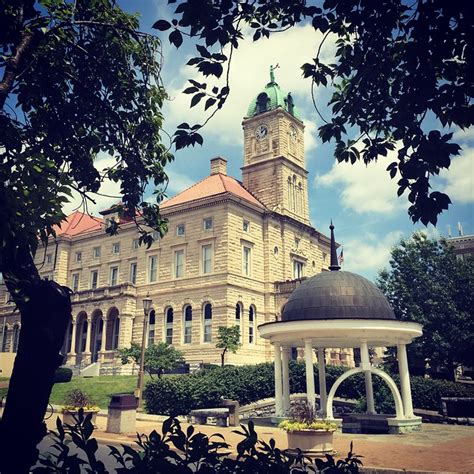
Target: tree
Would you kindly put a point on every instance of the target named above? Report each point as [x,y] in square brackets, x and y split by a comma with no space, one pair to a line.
[78,79]
[427,284]
[228,339]
[397,65]
[158,357]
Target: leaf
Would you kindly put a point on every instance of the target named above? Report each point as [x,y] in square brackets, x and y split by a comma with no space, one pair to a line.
[161,25]
[209,102]
[196,98]
[176,38]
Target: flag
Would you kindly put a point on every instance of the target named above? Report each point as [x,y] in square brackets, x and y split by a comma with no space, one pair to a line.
[341,256]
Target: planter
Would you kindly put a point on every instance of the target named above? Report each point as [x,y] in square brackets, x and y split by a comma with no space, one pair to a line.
[312,442]
[68,416]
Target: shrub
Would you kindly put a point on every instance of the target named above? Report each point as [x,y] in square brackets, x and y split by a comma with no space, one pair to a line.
[62,375]
[77,399]
[178,395]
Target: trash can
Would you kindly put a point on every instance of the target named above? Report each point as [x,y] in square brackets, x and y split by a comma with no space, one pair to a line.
[122,413]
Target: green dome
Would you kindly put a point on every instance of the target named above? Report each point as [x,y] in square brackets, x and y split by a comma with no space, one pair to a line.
[271,98]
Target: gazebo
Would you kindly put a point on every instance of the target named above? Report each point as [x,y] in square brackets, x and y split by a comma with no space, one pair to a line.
[341,309]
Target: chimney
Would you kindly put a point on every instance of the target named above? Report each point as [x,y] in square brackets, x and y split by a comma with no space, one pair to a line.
[218,165]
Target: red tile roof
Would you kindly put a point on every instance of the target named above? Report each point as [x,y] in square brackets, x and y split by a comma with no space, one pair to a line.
[214,185]
[77,223]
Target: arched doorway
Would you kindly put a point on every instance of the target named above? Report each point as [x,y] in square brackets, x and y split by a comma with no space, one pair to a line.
[81,335]
[113,330]
[96,334]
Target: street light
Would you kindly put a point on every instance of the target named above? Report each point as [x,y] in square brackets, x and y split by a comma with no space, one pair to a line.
[146,310]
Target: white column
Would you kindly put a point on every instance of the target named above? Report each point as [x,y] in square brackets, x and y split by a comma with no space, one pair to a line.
[308,355]
[369,391]
[88,336]
[73,338]
[103,342]
[286,380]
[405,380]
[322,381]
[278,382]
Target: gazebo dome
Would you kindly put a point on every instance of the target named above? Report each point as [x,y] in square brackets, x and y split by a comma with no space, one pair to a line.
[337,295]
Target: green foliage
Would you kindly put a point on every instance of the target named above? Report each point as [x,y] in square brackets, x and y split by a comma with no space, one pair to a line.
[76,399]
[228,339]
[159,357]
[178,395]
[427,284]
[62,375]
[394,62]
[181,452]
[293,425]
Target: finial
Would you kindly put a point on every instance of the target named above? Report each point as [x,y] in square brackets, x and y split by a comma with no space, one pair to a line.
[272,74]
[334,264]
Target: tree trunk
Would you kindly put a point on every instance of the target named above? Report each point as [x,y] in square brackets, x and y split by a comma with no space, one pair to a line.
[223,357]
[45,310]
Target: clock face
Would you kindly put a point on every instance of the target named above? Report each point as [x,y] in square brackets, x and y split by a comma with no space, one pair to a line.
[293,133]
[261,132]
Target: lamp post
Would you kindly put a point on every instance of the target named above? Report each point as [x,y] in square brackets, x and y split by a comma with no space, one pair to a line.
[139,391]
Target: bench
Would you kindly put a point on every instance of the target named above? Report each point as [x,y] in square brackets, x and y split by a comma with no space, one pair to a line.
[220,414]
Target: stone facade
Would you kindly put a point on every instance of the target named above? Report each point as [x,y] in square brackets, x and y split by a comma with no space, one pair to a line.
[239,251]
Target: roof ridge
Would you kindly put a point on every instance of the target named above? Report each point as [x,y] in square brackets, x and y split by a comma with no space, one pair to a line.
[188,188]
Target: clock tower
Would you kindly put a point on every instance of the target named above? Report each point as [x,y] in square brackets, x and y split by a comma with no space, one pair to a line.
[274,152]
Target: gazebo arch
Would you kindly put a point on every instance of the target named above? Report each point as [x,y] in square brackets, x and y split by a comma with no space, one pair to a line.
[383,375]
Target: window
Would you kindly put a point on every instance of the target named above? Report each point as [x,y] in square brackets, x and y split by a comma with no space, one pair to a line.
[297,242]
[151,328]
[152,268]
[156,235]
[78,257]
[179,263]
[116,333]
[16,338]
[206,259]
[325,256]
[207,223]
[113,276]
[94,279]
[207,322]
[238,318]
[133,273]
[96,252]
[246,260]
[251,325]
[246,226]
[4,338]
[75,282]
[49,259]
[180,229]
[116,248]
[169,326]
[297,269]
[135,244]
[188,324]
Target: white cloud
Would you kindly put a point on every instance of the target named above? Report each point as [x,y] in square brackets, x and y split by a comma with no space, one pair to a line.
[365,188]
[369,253]
[249,74]
[463,136]
[459,178]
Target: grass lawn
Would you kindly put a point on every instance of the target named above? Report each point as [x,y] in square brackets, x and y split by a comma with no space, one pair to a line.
[100,389]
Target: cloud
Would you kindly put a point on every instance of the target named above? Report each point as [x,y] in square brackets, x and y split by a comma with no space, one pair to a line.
[365,188]
[369,253]
[459,178]
[249,74]
[463,136]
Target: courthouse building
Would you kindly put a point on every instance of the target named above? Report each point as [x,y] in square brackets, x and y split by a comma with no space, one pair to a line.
[234,252]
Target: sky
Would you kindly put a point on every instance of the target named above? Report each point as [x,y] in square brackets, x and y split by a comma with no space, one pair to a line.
[361,200]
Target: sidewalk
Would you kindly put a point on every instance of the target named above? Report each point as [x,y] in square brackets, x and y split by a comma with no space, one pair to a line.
[438,448]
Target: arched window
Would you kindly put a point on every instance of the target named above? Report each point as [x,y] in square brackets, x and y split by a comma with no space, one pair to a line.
[238,318]
[69,338]
[4,338]
[169,326]
[116,333]
[262,103]
[251,324]
[207,313]
[290,194]
[188,324]
[293,195]
[300,196]
[16,337]
[151,328]
[83,339]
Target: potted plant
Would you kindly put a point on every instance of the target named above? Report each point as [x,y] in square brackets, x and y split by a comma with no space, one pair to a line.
[75,400]
[307,432]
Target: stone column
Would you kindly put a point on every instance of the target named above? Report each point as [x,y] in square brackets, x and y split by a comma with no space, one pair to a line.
[73,337]
[103,342]
[308,355]
[369,391]
[87,352]
[286,380]
[405,380]
[125,330]
[278,382]
[322,382]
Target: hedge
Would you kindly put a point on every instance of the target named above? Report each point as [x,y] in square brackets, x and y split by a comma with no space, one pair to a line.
[179,394]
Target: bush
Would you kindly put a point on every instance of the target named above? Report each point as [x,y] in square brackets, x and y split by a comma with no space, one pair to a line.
[180,394]
[62,375]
